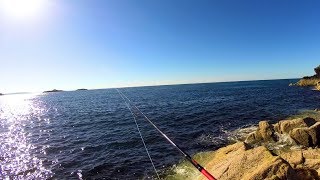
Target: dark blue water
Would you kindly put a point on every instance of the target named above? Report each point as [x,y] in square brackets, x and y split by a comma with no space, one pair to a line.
[91,134]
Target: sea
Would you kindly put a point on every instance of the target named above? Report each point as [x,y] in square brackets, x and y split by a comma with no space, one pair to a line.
[92,134]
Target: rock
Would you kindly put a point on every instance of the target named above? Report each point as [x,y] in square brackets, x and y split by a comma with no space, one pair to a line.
[307,174]
[311,159]
[264,132]
[253,138]
[294,157]
[305,132]
[301,136]
[309,137]
[54,90]
[285,126]
[311,80]
[311,153]
[314,132]
[238,161]
[1,94]
[318,86]
[82,89]
[317,71]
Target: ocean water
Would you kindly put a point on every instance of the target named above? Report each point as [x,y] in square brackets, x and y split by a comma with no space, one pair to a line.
[92,135]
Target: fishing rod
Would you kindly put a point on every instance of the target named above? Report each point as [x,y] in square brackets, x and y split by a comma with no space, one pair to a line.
[187,156]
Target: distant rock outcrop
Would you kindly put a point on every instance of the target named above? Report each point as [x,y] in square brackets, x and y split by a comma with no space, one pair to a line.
[82,89]
[1,94]
[54,90]
[310,80]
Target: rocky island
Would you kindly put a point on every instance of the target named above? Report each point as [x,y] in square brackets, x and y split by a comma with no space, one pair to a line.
[82,89]
[311,81]
[54,90]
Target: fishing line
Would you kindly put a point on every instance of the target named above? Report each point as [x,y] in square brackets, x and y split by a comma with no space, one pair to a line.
[187,156]
[142,139]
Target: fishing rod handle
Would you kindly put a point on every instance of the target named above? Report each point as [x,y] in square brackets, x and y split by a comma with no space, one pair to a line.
[200,168]
[207,174]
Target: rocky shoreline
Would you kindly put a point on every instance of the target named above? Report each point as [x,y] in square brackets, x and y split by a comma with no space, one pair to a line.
[254,159]
[288,149]
[310,81]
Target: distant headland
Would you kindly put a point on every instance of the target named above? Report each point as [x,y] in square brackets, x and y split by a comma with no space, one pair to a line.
[312,81]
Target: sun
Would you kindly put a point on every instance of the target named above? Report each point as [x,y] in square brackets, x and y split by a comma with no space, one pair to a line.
[22,9]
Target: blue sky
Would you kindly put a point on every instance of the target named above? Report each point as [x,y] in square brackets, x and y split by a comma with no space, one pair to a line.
[110,43]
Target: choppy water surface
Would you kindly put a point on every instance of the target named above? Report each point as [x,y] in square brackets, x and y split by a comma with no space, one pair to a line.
[92,135]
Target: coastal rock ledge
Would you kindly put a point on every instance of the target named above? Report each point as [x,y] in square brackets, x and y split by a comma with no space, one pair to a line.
[240,161]
[284,150]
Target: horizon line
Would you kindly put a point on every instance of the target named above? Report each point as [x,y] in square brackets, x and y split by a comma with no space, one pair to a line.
[155,85]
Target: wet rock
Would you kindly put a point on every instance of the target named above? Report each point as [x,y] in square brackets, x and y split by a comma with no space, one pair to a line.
[253,138]
[264,132]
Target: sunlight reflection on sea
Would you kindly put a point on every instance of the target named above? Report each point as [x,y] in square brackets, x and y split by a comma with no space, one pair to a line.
[17,161]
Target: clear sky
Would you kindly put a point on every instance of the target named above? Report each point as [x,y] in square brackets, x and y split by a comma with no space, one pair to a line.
[70,44]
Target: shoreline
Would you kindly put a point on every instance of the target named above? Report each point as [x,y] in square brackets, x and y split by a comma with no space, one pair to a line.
[270,145]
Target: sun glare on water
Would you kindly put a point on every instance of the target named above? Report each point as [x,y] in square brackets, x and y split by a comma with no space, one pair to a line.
[23,9]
